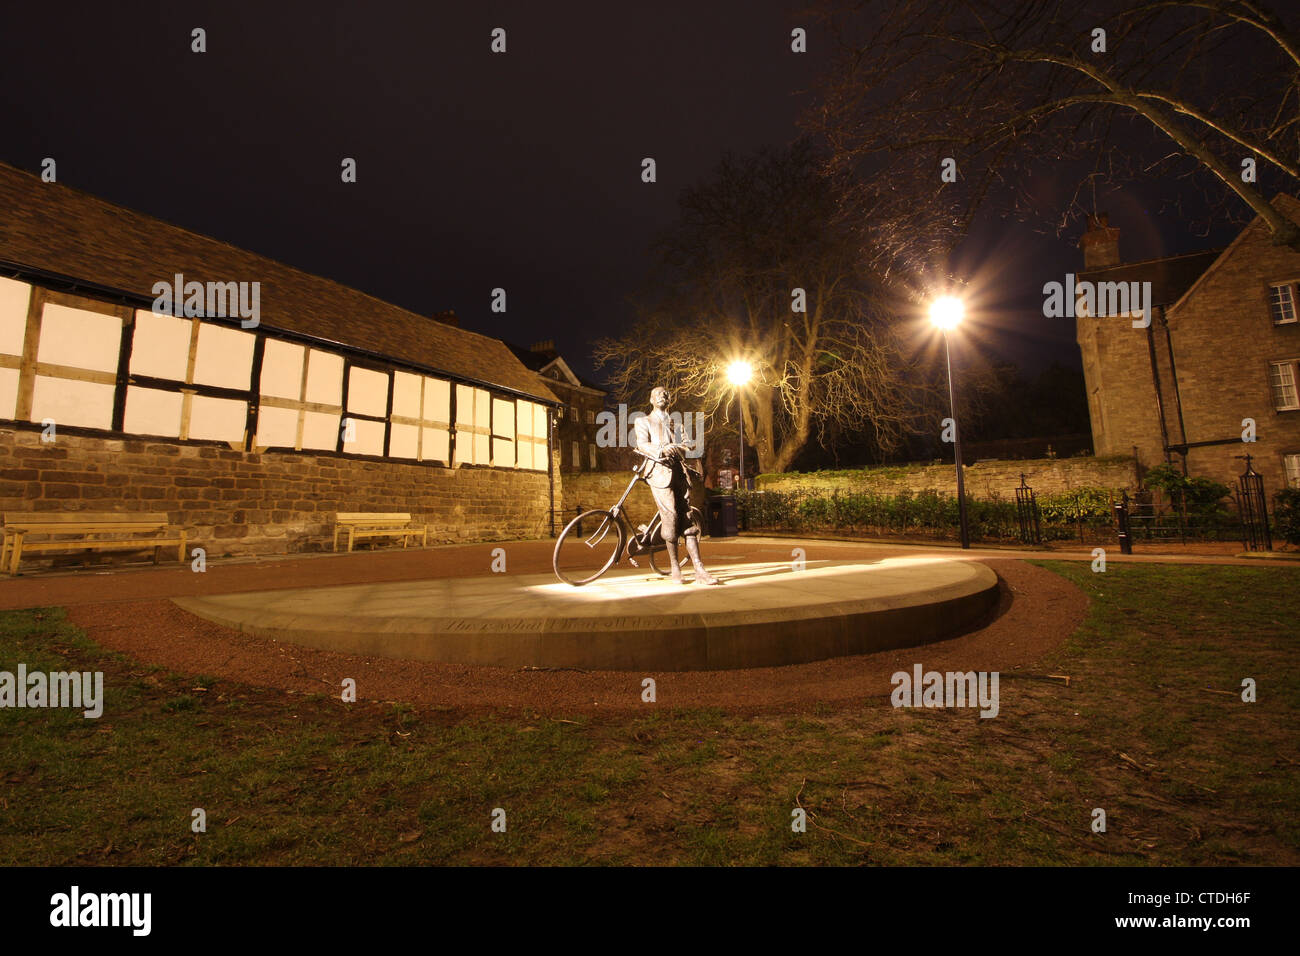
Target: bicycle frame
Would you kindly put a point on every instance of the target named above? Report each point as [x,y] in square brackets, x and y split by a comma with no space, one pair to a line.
[618,505]
[630,534]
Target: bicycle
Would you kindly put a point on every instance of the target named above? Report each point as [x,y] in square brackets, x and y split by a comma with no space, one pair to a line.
[595,540]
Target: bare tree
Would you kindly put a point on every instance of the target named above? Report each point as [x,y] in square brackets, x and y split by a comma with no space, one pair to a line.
[1208,89]
[769,264]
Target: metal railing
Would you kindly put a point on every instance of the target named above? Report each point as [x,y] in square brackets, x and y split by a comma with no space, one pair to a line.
[1086,516]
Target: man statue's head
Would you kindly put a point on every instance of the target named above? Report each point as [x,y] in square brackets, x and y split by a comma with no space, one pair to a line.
[659,398]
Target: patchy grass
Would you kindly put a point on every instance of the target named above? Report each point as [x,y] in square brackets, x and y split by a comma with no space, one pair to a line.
[1151,728]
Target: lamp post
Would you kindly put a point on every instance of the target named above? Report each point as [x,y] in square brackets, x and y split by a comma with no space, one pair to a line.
[945,314]
[739,373]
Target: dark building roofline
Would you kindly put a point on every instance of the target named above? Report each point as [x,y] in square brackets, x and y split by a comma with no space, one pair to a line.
[1142,262]
[13,270]
[1170,276]
[61,231]
[538,360]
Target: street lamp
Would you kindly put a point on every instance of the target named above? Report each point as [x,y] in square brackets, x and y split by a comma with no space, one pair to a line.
[739,373]
[945,314]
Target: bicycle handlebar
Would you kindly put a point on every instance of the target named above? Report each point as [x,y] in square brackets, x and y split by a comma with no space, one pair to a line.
[662,461]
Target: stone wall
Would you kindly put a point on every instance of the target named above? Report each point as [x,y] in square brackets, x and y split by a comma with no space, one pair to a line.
[1122,404]
[240,503]
[984,480]
[602,489]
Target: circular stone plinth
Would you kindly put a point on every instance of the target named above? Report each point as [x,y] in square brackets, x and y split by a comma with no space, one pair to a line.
[764,615]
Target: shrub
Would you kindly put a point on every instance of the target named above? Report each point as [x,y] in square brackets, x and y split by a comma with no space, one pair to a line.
[1286,515]
[927,512]
[1202,497]
[1077,505]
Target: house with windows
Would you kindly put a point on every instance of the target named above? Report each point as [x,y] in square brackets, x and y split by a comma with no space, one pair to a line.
[129,383]
[583,400]
[1214,376]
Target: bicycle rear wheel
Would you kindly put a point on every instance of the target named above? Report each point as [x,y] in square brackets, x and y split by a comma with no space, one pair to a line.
[659,559]
[587,547]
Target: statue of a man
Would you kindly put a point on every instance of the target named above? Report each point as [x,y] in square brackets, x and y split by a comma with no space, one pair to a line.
[672,484]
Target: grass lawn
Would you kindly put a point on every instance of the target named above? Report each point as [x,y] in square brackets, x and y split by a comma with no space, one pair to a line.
[1151,728]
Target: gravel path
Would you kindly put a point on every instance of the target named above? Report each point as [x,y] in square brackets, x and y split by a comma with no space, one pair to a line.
[130,612]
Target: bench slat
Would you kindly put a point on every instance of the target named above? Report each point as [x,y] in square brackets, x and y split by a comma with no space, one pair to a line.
[93,545]
[112,518]
[68,528]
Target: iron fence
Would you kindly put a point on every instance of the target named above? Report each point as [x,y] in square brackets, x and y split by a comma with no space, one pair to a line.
[1085,516]
[1169,521]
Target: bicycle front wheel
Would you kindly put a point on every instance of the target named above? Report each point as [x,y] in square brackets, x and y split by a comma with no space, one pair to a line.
[587,548]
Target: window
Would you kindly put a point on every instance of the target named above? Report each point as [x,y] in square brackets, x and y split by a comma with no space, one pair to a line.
[1281,377]
[503,433]
[577,458]
[15,297]
[421,420]
[1281,303]
[83,363]
[532,429]
[592,450]
[169,353]
[301,403]
[473,421]
[591,417]
[1291,464]
[367,411]
[75,380]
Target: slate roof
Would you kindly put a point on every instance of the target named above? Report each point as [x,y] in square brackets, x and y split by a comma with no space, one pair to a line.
[538,360]
[1169,277]
[54,228]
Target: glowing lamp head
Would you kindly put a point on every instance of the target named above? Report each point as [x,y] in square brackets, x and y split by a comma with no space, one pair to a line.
[946,312]
[739,372]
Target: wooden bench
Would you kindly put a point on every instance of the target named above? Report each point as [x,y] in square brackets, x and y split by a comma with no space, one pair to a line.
[378,524]
[87,531]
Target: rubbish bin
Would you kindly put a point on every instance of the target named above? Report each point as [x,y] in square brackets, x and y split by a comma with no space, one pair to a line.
[1121,524]
[721,519]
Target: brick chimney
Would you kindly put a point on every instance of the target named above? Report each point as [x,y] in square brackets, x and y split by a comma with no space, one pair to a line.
[543,347]
[447,317]
[1100,244]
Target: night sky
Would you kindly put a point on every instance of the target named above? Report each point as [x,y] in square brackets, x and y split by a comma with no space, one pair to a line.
[475,170]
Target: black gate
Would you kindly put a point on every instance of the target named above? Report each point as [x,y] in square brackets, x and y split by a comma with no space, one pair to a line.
[1253,508]
[1031,531]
